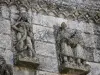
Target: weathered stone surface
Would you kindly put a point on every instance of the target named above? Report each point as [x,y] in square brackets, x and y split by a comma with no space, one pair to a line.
[98,42]
[14,13]
[89,40]
[5,41]
[23,71]
[46,49]
[97,29]
[5,11]
[58,11]
[95,68]
[48,64]
[47,21]
[27,62]
[46,73]
[43,33]
[89,53]
[4,26]
[97,55]
[50,21]
[8,55]
[84,27]
[5,69]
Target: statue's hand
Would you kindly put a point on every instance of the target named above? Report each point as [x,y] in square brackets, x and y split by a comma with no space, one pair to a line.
[72,43]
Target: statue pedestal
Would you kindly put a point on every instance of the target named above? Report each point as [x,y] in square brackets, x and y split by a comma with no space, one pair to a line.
[28,62]
[74,68]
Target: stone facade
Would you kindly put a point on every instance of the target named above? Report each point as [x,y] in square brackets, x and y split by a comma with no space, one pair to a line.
[45,17]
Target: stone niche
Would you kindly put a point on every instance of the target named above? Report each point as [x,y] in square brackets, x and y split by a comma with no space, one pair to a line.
[71,52]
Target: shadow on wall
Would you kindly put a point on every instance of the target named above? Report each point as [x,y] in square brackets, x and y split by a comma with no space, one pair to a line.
[5,69]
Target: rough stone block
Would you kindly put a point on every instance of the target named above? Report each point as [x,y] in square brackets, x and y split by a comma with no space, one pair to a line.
[4,26]
[46,49]
[97,55]
[14,13]
[46,73]
[48,21]
[89,40]
[84,27]
[48,64]
[8,55]
[89,53]
[27,62]
[5,41]
[23,71]
[43,33]
[5,11]
[98,42]
[95,68]
[97,29]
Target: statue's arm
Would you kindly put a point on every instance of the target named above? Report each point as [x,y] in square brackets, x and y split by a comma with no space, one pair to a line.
[15,27]
[24,36]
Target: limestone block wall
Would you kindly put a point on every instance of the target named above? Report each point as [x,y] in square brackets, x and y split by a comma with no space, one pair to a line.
[44,26]
[5,34]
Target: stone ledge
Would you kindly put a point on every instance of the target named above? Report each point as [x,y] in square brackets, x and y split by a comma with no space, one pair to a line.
[74,67]
[28,62]
[66,68]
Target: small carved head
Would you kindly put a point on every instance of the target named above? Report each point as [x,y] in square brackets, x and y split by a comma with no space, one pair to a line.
[63,25]
[24,17]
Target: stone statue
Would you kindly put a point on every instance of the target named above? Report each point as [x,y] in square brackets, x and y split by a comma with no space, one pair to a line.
[71,44]
[5,69]
[24,37]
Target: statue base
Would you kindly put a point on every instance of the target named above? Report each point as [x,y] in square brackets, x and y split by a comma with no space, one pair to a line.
[28,62]
[73,67]
[78,70]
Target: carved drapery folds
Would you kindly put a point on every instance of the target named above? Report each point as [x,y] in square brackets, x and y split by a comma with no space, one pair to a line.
[24,45]
[71,53]
[5,69]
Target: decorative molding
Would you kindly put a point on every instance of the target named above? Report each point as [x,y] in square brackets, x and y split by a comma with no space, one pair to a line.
[59,9]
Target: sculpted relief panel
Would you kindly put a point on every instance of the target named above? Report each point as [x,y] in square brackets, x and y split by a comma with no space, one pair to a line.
[71,51]
[24,45]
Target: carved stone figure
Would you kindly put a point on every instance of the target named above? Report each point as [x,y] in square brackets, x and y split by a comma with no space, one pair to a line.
[71,43]
[72,54]
[5,69]
[24,37]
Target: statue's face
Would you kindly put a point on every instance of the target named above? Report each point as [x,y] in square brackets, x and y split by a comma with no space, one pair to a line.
[63,25]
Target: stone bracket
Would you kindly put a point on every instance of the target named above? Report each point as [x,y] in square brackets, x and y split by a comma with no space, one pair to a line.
[28,62]
[74,67]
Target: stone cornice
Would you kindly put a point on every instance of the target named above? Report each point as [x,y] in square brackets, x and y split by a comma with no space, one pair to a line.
[74,11]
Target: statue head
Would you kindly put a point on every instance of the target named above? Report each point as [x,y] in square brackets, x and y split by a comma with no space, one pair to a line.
[63,25]
[24,17]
